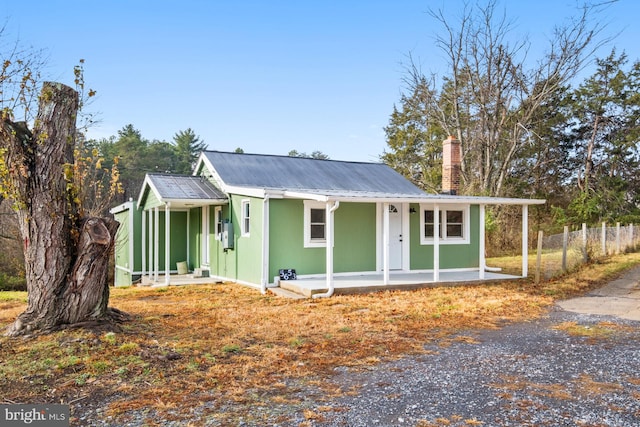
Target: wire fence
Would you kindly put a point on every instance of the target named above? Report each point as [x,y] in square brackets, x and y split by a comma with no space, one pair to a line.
[560,253]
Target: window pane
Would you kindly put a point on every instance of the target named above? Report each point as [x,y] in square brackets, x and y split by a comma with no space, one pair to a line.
[317,232]
[454,230]
[428,217]
[317,215]
[428,230]
[454,217]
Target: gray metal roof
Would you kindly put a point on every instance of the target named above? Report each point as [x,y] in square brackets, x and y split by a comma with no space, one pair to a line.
[184,187]
[315,176]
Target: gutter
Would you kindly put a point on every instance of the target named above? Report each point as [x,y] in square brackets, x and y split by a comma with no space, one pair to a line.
[329,249]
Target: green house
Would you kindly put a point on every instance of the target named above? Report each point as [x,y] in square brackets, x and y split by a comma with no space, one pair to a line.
[260,220]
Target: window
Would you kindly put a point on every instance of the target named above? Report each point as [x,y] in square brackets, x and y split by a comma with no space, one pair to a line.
[246,217]
[318,224]
[315,224]
[218,216]
[453,224]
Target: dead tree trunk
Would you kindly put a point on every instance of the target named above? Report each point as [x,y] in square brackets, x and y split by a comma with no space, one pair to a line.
[66,257]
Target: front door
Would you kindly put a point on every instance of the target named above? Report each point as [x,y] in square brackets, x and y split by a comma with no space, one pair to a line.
[395,237]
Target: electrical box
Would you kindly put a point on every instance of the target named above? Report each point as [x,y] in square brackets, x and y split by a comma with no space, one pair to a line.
[227,235]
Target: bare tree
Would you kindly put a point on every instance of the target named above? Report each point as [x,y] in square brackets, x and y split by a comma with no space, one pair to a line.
[66,254]
[492,91]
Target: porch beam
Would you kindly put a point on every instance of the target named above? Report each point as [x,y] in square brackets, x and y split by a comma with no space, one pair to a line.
[525,240]
[436,243]
[167,243]
[481,257]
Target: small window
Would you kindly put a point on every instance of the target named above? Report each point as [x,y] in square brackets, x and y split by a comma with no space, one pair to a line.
[315,224]
[246,217]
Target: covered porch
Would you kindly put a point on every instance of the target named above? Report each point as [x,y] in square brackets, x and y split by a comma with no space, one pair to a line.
[375,282]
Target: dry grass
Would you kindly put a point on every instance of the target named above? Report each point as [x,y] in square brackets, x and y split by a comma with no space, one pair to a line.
[225,343]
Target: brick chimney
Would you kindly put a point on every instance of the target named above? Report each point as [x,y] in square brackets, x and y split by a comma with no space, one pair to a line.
[451,158]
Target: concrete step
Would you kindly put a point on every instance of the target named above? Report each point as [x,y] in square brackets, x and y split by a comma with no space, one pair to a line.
[286,293]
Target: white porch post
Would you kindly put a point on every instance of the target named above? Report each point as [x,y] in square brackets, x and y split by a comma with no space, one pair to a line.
[156,243]
[436,243]
[483,261]
[144,243]
[188,241]
[167,243]
[525,240]
[385,243]
[150,240]
[329,248]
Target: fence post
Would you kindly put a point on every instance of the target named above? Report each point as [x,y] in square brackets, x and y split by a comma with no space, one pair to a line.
[585,254]
[604,239]
[565,243]
[632,241]
[617,238]
[539,255]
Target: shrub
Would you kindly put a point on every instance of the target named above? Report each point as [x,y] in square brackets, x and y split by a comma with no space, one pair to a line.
[12,283]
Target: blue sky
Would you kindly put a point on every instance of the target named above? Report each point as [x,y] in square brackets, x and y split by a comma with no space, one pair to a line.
[266,76]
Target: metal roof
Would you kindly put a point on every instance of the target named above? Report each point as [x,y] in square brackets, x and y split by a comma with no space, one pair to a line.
[183,187]
[313,176]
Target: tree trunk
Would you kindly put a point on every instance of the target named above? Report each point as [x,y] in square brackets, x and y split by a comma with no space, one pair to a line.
[66,257]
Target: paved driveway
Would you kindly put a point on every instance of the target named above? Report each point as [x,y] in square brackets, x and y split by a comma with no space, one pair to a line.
[620,298]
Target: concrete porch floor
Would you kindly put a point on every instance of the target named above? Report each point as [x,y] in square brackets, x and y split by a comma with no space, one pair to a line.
[179,280]
[397,281]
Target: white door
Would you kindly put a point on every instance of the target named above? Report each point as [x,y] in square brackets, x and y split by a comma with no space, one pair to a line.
[395,237]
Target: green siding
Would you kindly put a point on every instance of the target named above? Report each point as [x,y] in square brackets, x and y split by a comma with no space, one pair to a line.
[195,236]
[247,254]
[355,237]
[244,261]
[121,249]
[151,201]
[354,245]
[286,240]
[451,256]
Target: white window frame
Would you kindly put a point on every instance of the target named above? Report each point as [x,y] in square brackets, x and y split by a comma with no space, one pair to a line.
[308,242]
[447,240]
[218,219]
[246,219]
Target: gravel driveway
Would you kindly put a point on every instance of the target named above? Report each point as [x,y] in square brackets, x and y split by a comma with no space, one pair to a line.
[569,368]
[526,374]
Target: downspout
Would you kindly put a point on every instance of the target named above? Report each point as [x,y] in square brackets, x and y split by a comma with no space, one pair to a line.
[265,244]
[329,250]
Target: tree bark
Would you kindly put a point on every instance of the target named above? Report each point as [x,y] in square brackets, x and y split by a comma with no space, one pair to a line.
[66,257]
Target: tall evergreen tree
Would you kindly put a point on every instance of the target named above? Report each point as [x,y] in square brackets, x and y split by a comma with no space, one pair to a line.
[187,147]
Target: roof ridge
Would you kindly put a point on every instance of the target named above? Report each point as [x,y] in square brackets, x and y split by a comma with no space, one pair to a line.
[293,157]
